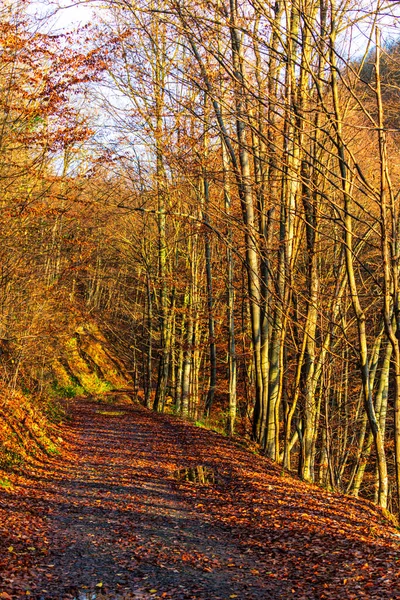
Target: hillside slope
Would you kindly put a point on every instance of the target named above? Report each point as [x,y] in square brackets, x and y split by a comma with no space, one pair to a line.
[81,362]
[110,515]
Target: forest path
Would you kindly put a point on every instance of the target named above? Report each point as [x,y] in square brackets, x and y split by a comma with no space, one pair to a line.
[110,518]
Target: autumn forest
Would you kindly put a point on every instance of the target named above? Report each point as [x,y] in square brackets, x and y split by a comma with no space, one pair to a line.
[200,213]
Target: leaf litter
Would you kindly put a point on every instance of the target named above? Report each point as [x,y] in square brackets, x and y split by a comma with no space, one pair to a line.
[110,519]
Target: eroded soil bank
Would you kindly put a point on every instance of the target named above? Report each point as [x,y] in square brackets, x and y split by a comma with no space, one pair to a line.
[109,519]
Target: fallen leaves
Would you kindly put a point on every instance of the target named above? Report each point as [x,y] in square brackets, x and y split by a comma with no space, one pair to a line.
[110,517]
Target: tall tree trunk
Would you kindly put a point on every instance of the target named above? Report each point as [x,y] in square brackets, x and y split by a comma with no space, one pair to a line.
[209,277]
[358,311]
[390,257]
[149,362]
[246,197]
[230,291]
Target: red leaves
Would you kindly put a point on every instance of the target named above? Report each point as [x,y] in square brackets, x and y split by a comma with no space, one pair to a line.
[40,74]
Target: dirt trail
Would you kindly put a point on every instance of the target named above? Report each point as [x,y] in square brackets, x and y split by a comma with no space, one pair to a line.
[110,518]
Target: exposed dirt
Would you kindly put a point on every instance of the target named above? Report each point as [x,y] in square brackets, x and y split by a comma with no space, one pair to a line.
[109,517]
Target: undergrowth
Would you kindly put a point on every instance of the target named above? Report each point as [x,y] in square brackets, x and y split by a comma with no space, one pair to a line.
[217,425]
[71,390]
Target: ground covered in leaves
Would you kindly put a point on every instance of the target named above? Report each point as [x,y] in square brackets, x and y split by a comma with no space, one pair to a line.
[109,520]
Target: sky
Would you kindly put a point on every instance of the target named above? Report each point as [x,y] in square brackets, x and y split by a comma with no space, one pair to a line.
[70,15]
